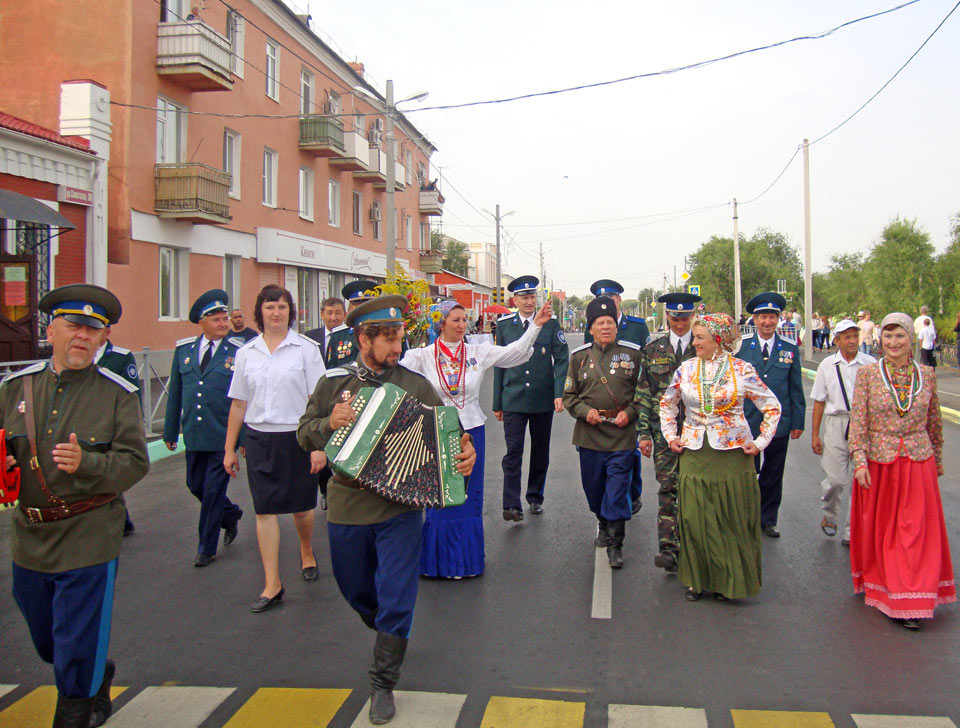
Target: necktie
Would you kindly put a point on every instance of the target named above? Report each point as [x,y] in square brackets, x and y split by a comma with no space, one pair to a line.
[679,350]
[526,324]
[207,355]
[766,352]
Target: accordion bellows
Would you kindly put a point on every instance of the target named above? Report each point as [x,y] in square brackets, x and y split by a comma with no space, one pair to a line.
[401,449]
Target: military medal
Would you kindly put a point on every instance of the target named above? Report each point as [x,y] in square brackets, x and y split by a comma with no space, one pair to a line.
[187,360]
[543,350]
[345,395]
[451,367]
[22,407]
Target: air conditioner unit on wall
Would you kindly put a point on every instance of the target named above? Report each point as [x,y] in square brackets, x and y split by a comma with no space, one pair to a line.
[379,124]
[374,214]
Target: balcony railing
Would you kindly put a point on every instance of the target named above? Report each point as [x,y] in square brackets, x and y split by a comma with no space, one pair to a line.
[322,135]
[431,202]
[431,261]
[376,169]
[193,192]
[356,153]
[194,55]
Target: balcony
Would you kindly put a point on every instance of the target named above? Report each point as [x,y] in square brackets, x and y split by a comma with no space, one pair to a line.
[321,135]
[376,169]
[431,202]
[356,153]
[194,55]
[431,261]
[192,192]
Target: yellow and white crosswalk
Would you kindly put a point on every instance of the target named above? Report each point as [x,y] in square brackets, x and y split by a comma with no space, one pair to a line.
[176,706]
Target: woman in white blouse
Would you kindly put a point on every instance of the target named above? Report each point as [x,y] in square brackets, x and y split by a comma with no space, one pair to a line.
[453,537]
[274,377]
[718,493]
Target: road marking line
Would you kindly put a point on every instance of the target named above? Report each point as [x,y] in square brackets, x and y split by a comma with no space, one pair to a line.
[654,716]
[36,708]
[162,707]
[420,710]
[532,713]
[4,689]
[289,707]
[602,607]
[780,719]
[901,721]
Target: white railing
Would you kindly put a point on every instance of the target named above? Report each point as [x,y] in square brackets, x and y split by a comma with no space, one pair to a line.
[193,43]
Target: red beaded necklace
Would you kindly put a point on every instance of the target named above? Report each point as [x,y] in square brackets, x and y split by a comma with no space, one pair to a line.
[450,371]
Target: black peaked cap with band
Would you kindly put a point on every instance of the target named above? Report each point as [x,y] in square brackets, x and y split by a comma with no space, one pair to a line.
[213,301]
[766,302]
[357,290]
[83,303]
[679,305]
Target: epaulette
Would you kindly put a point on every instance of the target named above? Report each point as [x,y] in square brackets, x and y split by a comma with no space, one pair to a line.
[630,344]
[119,350]
[582,347]
[308,339]
[118,379]
[188,340]
[636,319]
[237,341]
[341,327]
[507,316]
[335,372]
[32,369]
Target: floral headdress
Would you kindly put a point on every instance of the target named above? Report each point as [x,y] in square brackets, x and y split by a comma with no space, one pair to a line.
[722,328]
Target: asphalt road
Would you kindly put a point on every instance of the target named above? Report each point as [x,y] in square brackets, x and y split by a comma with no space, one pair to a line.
[524,629]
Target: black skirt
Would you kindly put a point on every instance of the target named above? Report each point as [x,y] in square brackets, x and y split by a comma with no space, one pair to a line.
[278,470]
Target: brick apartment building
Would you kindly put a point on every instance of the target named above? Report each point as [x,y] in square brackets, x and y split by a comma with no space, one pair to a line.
[241,152]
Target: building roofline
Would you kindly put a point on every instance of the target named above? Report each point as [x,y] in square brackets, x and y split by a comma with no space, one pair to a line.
[15,124]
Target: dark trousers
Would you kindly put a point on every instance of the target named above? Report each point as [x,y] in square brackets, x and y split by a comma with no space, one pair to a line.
[208,480]
[770,473]
[68,614]
[606,479]
[377,568]
[636,480]
[514,426]
[325,474]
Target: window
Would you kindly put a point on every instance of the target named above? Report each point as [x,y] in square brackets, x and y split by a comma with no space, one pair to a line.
[235,34]
[271,71]
[333,103]
[171,131]
[231,160]
[333,203]
[375,218]
[231,279]
[408,166]
[358,123]
[270,177]
[306,91]
[421,175]
[409,231]
[357,212]
[424,236]
[306,194]
[308,313]
[170,282]
[172,11]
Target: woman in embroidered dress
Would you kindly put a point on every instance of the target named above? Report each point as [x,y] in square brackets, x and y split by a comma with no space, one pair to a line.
[718,493]
[453,537]
[899,555]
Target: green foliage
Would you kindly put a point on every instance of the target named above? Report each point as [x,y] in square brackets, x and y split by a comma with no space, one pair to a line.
[456,258]
[899,272]
[840,291]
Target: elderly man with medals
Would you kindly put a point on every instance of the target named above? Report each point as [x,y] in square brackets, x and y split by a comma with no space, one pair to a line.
[340,346]
[374,542]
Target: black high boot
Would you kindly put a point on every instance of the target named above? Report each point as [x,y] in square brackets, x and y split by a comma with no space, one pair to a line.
[72,712]
[388,652]
[615,533]
[601,540]
[102,706]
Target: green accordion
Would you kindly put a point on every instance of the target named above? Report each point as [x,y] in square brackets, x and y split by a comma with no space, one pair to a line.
[401,449]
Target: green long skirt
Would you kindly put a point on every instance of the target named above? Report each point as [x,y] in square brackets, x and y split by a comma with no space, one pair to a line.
[719,522]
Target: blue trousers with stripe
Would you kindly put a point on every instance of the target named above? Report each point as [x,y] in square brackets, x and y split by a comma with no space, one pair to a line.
[68,614]
[606,478]
[208,481]
[377,568]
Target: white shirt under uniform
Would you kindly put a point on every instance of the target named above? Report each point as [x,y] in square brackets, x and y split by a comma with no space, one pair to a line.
[480,358]
[835,460]
[276,386]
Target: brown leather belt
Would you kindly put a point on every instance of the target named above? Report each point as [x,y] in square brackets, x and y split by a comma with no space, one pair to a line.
[66,509]
[610,413]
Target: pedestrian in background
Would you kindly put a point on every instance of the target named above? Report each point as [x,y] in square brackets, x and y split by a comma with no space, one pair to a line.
[832,395]
[928,343]
[815,331]
[719,496]
[920,321]
[273,378]
[899,553]
[956,333]
[238,326]
[825,342]
[867,332]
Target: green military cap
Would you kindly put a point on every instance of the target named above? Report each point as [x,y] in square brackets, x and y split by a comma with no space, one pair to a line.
[83,303]
[384,310]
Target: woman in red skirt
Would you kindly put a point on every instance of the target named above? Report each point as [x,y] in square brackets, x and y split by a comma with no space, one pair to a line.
[899,555]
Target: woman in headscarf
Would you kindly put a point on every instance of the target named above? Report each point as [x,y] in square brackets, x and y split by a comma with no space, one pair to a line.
[899,555]
[718,493]
[453,537]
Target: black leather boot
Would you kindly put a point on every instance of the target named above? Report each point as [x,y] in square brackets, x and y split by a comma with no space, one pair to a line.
[601,540]
[370,619]
[388,652]
[615,533]
[102,706]
[72,712]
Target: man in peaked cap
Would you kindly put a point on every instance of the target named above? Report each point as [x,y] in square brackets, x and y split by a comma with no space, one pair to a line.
[660,361]
[67,531]
[341,347]
[197,403]
[528,395]
[374,542]
[777,361]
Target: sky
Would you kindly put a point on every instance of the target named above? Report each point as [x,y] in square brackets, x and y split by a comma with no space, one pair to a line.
[605,177]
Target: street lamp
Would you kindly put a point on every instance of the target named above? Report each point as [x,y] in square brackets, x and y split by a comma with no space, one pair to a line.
[498,217]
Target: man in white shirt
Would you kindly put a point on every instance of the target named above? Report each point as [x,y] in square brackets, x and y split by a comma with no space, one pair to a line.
[832,396]
[928,342]
[919,321]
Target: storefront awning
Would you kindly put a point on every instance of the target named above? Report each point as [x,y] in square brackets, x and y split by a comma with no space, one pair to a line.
[14,206]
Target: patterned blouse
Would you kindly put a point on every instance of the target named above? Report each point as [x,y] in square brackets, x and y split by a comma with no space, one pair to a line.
[725,426]
[880,434]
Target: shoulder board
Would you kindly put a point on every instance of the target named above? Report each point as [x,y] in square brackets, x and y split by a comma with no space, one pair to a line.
[188,340]
[341,327]
[237,341]
[629,344]
[336,372]
[32,369]
[118,379]
[750,336]
[507,316]
[309,340]
[120,350]
[635,319]
[581,348]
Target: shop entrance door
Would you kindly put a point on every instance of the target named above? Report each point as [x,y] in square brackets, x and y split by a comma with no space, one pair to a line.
[18,306]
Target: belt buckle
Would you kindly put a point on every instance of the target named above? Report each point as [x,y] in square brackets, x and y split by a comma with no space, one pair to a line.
[34,463]
[33,515]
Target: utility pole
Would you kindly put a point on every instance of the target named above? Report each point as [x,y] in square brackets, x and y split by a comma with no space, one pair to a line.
[391,184]
[807,273]
[498,217]
[737,293]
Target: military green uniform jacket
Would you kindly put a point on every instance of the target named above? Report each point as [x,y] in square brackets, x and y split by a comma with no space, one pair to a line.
[531,387]
[346,502]
[585,389]
[657,367]
[341,348]
[630,328]
[103,410]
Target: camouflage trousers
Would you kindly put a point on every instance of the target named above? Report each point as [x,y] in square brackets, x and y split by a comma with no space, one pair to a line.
[666,463]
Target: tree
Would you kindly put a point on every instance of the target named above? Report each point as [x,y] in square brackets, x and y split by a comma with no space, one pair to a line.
[840,291]
[899,273]
[947,272]
[456,259]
